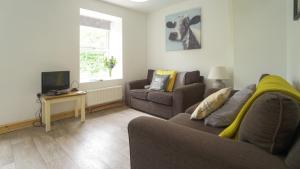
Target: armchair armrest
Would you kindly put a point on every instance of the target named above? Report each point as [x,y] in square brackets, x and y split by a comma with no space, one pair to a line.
[186,96]
[137,84]
[160,144]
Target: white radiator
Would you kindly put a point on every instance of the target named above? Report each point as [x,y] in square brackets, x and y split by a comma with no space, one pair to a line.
[104,95]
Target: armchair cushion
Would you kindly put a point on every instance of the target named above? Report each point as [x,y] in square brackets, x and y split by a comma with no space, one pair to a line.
[164,98]
[139,93]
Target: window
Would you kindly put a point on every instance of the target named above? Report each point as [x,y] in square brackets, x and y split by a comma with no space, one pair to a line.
[100,47]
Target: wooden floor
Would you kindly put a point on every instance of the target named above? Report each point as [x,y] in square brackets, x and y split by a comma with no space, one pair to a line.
[100,143]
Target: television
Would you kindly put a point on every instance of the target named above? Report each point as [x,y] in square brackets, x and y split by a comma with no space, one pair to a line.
[55,81]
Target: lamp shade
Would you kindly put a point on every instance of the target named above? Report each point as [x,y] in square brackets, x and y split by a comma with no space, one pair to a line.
[218,73]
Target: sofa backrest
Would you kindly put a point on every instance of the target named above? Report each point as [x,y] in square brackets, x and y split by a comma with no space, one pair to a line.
[182,78]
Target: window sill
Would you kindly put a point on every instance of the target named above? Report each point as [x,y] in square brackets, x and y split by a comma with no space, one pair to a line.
[106,80]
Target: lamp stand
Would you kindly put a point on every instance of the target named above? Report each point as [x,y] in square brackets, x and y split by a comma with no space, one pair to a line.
[218,84]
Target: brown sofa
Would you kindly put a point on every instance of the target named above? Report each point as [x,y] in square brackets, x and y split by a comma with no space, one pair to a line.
[181,143]
[189,89]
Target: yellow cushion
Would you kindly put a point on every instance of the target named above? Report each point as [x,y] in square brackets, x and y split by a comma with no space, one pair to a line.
[172,78]
[211,103]
[270,83]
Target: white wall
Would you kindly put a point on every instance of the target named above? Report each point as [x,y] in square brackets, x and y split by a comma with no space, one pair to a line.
[293,47]
[260,39]
[43,35]
[217,39]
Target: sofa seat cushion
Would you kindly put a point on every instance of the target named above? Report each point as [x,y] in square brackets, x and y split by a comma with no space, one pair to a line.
[184,119]
[160,97]
[139,93]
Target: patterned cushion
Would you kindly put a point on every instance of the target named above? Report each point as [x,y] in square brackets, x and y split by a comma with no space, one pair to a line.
[172,78]
[224,116]
[159,82]
[211,103]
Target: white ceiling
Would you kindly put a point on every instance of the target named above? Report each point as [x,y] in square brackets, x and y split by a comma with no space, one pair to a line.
[147,7]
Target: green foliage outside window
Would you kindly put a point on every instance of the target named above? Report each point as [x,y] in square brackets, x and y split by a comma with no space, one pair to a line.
[92,62]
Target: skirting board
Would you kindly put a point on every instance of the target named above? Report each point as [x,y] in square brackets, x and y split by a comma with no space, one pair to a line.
[59,116]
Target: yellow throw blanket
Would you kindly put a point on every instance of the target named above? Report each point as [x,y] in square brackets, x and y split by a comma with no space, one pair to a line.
[270,83]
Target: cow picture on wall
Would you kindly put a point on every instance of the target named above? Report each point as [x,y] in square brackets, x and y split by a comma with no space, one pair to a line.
[183,30]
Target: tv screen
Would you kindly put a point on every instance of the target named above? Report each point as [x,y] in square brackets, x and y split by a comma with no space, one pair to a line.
[53,81]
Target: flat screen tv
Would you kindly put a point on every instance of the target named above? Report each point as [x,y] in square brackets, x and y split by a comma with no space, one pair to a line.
[55,81]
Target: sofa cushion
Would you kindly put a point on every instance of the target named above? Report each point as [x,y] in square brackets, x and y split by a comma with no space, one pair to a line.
[159,82]
[160,97]
[271,122]
[192,77]
[184,119]
[293,158]
[150,75]
[180,80]
[172,78]
[225,115]
[139,93]
[211,103]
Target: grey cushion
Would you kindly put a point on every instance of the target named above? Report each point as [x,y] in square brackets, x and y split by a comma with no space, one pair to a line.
[225,115]
[271,122]
[293,158]
[165,98]
[180,80]
[159,82]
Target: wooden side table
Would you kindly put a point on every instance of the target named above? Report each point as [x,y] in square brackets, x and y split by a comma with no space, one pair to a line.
[78,97]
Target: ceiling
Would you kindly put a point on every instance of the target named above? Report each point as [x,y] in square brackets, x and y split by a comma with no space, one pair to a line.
[146,7]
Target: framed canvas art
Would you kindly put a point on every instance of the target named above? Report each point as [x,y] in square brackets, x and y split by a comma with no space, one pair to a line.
[183,30]
[296,9]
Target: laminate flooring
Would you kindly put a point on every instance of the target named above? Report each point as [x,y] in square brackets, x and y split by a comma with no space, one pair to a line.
[99,143]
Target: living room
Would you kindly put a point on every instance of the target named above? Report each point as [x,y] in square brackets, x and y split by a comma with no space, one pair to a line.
[242,39]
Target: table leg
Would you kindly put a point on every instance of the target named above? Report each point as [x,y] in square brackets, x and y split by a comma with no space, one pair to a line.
[43,112]
[83,108]
[47,117]
[76,107]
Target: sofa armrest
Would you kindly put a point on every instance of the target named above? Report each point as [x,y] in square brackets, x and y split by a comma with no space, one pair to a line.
[186,96]
[159,144]
[137,84]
